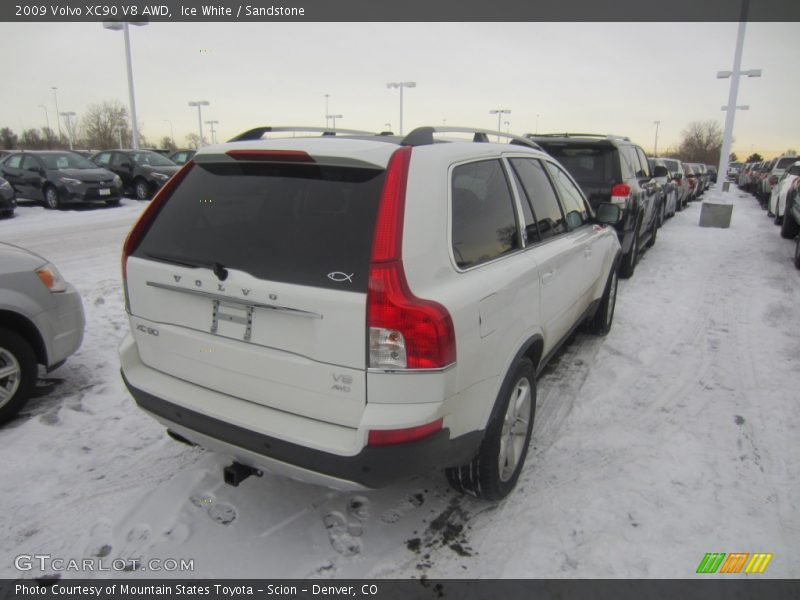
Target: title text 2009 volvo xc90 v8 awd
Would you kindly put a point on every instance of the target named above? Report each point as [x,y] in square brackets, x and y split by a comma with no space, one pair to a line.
[354,309]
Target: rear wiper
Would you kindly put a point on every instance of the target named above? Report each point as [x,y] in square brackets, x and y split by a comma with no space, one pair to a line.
[219,270]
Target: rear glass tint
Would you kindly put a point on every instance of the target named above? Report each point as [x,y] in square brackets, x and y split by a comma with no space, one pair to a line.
[302,224]
[785,162]
[587,164]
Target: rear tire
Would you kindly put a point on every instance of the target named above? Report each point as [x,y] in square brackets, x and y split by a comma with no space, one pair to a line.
[789,227]
[494,471]
[797,253]
[18,373]
[604,317]
[628,264]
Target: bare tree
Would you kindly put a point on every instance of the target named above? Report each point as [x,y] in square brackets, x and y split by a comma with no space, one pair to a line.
[31,140]
[166,143]
[755,157]
[194,142]
[105,123]
[702,142]
[8,138]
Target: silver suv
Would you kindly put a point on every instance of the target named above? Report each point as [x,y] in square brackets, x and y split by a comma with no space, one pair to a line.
[353,309]
[41,322]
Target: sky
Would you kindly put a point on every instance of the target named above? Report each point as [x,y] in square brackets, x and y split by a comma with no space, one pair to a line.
[582,77]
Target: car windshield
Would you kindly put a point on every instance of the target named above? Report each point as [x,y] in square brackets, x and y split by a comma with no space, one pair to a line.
[672,165]
[152,159]
[587,164]
[66,160]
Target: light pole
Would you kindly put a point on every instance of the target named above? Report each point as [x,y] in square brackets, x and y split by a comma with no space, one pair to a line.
[46,116]
[499,112]
[58,122]
[67,116]
[655,143]
[118,129]
[334,117]
[508,125]
[171,131]
[535,131]
[730,109]
[116,26]
[401,85]
[213,131]
[199,104]
[327,112]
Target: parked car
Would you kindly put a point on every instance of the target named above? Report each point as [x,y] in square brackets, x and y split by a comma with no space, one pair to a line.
[351,310]
[612,169]
[41,323]
[771,181]
[669,191]
[712,174]
[142,171]
[8,199]
[58,178]
[734,168]
[777,197]
[791,217]
[180,157]
[763,187]
[677,175]
[701,175]
[692,181]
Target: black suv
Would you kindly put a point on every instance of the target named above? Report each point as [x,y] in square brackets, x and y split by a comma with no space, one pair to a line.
[59,177]
[141,171]
[612,169]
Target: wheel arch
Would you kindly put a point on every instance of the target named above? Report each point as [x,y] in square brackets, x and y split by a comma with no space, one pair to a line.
[25,328]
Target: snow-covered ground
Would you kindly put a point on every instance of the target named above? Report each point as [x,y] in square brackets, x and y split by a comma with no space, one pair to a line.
[676,435]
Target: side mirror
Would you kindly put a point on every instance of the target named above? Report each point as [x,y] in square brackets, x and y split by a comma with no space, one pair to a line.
[608,214]
[660,172]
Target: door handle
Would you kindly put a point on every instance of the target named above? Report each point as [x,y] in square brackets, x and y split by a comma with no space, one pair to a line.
[548,276]
[587,252]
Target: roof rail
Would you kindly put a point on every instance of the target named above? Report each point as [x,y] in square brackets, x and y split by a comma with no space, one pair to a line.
[568,134]
[258,132]
[423,136]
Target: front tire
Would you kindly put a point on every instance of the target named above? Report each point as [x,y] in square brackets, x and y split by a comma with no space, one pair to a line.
[797,253]
[18,372]
[494,471]
[51,198]
[142,189]
[789,227]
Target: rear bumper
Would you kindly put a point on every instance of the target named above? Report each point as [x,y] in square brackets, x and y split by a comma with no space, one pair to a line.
[373,467]
[275,441]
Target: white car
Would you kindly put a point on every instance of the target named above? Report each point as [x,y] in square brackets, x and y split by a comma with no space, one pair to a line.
[777,197]
[41,323]
[353,309]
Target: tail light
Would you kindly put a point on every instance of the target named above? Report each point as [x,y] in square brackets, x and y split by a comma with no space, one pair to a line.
[620,193]
[145,220]
[404,332]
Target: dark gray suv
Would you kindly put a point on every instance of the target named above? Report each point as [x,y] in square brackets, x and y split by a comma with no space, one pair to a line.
[612,169]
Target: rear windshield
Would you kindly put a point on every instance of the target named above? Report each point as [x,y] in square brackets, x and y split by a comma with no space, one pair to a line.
[785,162]
[587,164]
[302,224]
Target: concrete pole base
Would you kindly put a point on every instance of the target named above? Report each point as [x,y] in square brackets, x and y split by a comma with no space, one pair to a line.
[716,214]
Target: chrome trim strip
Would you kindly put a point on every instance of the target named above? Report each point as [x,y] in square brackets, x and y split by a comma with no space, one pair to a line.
[228,299]
[401,371]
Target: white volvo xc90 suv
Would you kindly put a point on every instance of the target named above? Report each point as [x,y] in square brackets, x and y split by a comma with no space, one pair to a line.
[352,308]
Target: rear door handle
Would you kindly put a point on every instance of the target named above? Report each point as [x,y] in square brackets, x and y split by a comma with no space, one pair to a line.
[548,276]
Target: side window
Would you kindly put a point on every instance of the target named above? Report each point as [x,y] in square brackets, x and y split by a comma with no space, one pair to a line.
[628,161]
[118,158]
[14,162]
[539,192]
[571,197]
[646,172]
[103,158]
[28,162]
[484,223]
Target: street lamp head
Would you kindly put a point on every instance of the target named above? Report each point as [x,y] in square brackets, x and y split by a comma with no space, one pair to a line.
[500,111]
[336,116]
[753,73]
[399,84]
[723,74]
[199,103]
